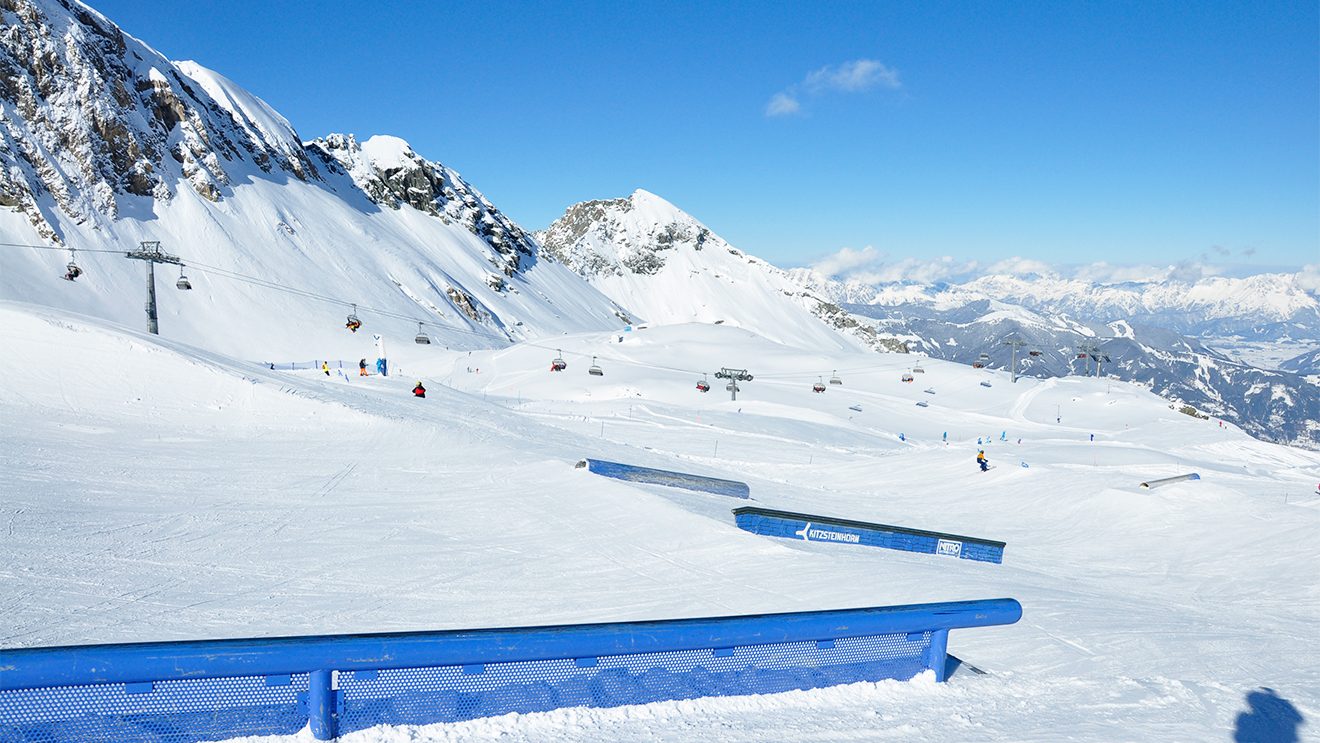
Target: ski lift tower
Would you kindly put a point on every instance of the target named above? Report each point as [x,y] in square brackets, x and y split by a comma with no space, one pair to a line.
[1016,343]
[1090,350]
[149,251]
[734,376]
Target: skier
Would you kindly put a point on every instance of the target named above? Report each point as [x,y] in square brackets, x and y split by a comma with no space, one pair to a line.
[362,367]
[901,437]
[325,367]
[981,460]
[419,390]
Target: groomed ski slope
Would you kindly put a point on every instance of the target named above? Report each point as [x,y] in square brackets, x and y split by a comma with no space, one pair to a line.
[153,491]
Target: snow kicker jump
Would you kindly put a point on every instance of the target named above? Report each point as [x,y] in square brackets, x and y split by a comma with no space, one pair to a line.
[1151,484]
[701,483]
[337,684]
[812,528]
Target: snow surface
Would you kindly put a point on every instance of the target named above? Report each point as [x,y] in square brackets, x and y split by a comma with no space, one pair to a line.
[156,491]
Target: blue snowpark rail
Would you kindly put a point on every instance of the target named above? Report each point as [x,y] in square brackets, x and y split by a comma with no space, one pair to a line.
[336,684]
[684,480]
[812,528]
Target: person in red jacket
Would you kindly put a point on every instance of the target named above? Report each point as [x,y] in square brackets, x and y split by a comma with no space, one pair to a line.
[419,390]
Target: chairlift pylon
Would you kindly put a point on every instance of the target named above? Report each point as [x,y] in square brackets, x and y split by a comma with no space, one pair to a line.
[558,363]
[595,370]
[422,338]
[183,282]
[353,322]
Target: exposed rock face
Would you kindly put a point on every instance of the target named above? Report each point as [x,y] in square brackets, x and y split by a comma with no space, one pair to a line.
[89,115]
[394,176]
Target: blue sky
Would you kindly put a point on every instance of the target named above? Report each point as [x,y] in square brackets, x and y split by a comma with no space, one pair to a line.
[1068,132]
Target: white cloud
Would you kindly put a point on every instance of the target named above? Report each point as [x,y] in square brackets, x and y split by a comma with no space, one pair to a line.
[852,77]
[855,76]
[1017,266]
[782,104]
[1309,278]
[846,261]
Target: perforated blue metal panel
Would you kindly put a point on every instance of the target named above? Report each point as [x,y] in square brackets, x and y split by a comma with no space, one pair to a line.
[452,693]
[215,689]
[183,711]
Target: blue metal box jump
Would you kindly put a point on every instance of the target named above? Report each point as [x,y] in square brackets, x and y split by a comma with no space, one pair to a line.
[812,528]
[684,480]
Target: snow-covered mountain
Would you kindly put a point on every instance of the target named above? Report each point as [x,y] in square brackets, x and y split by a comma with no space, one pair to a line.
[105,143]
[647,254]
[1273,307]
[1275,406]
[1306,363]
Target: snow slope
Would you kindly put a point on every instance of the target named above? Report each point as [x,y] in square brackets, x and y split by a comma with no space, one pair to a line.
[157,491]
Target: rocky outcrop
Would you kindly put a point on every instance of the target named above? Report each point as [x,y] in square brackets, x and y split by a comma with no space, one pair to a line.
[90,115]
[393,176]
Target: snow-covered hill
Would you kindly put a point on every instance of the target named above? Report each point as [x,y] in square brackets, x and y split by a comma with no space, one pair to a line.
[647,254]
[105,143]
[158,491]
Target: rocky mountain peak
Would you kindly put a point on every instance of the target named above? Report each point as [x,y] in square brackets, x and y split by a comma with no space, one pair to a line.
[392,175]
[625,236]
[89,116]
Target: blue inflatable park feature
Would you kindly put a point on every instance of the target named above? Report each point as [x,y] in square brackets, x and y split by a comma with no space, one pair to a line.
[811,528]
[336,684]
[701,483]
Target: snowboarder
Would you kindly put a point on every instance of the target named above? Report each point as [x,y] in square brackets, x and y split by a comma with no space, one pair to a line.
[981,460]
[325,367]
[362,367]
[380,367]
[419,390]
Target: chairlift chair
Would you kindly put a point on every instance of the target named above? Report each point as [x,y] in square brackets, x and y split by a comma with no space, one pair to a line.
[923,404]
[703,385]
[918,370]
[1081,355]
[819,386]
[183,282]
[985,384]
[353,322]
[978,365]
[595,371]
[72,271]
[908,377]
[835,378]
[422,338]
[558,363]
[1033,353]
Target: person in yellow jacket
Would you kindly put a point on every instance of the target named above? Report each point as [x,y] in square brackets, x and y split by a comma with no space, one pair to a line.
[981,460]
[325,367]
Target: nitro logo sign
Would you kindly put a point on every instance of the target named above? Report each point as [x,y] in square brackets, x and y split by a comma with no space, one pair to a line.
[948,547]
[823,535]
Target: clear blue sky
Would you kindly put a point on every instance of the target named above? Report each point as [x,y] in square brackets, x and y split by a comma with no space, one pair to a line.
[1067,132]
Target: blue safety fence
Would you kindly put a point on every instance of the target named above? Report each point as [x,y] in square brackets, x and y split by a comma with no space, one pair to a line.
[210,690]
[812,528]
[672,479]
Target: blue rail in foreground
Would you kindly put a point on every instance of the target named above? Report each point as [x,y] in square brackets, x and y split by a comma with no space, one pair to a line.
[813,528]
[207,690]
[672,479]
